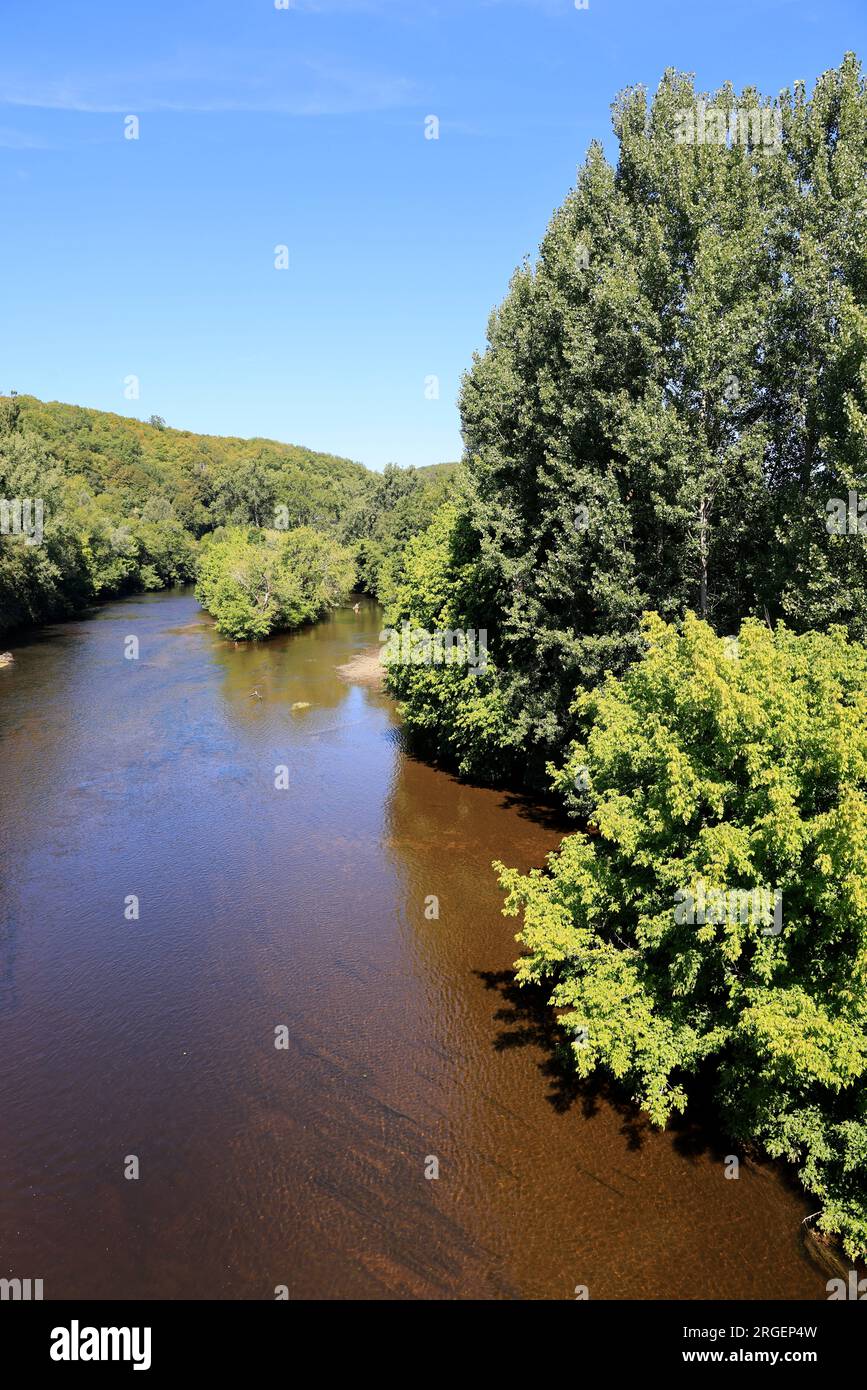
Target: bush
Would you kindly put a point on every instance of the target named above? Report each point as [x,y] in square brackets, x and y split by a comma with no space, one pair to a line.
[255,582]
[718,773]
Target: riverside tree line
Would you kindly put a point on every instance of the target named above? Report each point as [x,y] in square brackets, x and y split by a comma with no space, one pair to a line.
[670,399]
[275,534]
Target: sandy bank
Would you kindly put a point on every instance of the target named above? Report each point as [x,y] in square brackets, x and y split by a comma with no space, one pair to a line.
[365,668]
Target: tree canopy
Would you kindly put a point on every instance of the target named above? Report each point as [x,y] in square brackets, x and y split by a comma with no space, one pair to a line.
[669,398]
[255,582]
[712,919]
[126,504]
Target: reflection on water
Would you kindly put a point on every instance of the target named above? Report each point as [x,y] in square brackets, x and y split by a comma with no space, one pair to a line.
[302,909]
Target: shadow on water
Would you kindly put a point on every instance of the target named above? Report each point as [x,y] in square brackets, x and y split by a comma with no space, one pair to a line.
[540,810]
[527,1020]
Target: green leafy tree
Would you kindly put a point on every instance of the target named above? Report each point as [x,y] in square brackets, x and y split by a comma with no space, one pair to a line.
[458,715]
[668,400]
[712,920]
[255,583]
[399,505]
[245,495]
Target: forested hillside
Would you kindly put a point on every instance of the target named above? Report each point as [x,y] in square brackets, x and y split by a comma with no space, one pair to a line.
[209,479]
[125,503]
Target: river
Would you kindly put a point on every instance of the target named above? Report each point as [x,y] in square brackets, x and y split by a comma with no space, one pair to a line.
[300,916]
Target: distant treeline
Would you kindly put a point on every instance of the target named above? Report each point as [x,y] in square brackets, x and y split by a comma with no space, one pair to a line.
[124,504]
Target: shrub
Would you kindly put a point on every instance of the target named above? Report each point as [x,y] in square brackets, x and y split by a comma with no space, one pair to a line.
[258,582]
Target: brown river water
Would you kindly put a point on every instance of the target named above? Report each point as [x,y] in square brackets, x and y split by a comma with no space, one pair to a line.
[304,909]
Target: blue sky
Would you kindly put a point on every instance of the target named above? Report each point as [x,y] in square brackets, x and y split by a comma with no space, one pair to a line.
[305,127]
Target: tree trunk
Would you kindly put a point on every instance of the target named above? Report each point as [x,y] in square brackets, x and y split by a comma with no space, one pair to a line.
[702,549]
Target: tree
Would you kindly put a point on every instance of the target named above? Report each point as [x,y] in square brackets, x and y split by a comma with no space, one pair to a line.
[668,399]
[245,495]
[398,505]
[255,583]
[711,922]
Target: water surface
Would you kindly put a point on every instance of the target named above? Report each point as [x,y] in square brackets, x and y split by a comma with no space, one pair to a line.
[301,909]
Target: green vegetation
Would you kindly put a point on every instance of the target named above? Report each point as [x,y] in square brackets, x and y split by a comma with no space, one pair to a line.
[257,582]
[400,504]
[670,400]
[126,505]
[209,480]
[95,541]
[715,768]
[460,716]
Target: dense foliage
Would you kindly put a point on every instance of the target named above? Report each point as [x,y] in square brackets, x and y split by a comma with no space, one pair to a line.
[126,503]
[94,542]
[256,582]
[670,401]
[460,713]
[401,503]
[716,765]
[669,398]
[209,480]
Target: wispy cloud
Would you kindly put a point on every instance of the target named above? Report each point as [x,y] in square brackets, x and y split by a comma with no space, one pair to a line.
[219,80]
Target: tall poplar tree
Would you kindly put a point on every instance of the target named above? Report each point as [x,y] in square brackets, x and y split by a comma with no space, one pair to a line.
[670,397]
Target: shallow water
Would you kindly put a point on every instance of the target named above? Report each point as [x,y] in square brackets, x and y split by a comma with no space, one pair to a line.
[303,909]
